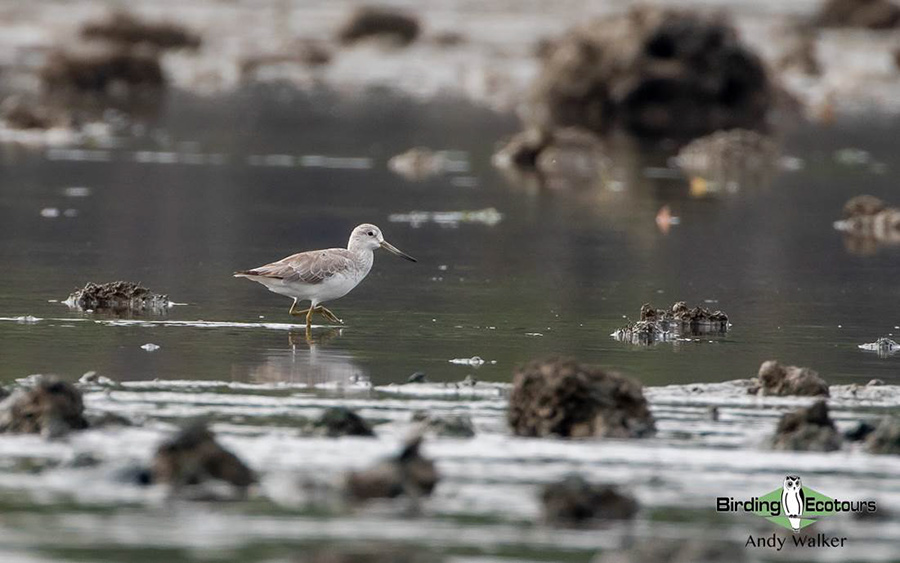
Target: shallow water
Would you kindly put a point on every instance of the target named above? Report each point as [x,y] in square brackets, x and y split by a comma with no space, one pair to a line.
[208,186]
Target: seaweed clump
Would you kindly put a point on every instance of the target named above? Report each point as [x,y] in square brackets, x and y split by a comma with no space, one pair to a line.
[779,380]
[368,22]
[668,324]
[51,407]
[564,398]
[127,29]
[119,296]
[807,429]
[575,502]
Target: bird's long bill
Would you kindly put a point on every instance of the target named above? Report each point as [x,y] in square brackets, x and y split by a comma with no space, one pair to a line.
[394,250]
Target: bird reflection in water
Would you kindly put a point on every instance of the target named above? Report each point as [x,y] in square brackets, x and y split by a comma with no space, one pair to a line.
[310,361]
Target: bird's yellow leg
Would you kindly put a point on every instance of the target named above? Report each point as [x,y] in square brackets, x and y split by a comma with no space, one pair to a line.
[328,315]
[309,314]
[295,312]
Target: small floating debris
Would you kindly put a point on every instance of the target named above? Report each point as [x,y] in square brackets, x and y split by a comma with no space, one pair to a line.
[661,325]
[573,502]
[193,457]
[27,319]
[119,297]
[51,407]
[884,346]
[419,163]
[564,398]
[489,217]
[50,212]
[150,347]
[807,429]
[408,473]
[474,361]
[76,191]
[778,380]
[665,220]
[372,22]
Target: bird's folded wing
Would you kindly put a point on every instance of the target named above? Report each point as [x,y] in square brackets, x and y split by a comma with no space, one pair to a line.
[306,267]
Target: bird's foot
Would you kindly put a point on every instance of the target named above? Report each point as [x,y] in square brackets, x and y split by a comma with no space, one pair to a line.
[329,315]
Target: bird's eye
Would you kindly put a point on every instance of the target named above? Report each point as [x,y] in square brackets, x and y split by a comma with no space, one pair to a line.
[371,233]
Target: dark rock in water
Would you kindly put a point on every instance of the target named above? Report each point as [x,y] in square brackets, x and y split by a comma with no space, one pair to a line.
[387,23]
[807,429]
[775,379]
[730,158]
[655,73]
[341,421]
[117,296]
[575,502]
[128,29]
[193,457]
[886,437]
[102,72]
[563,398]
[4,393]
[656,550]
[51,408]
[870,14]
[406,474]
[859,432]
[451,425]
[658,325]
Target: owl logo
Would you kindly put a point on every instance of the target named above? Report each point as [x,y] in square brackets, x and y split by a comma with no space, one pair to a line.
[792,500]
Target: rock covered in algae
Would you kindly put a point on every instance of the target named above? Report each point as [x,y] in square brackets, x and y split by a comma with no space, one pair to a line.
[368,22]
[117,296]
[408,473]
[51,407]
[885,438]
[654,72]
[807,429]
[575,502]
[779,380]
[341,421]
[561,397]
[102,71]
[193,457]
[736,156]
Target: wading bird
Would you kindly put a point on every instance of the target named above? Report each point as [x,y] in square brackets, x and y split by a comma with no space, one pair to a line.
[323,275]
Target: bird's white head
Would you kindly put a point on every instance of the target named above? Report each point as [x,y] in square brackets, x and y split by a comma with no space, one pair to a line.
[369,237]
